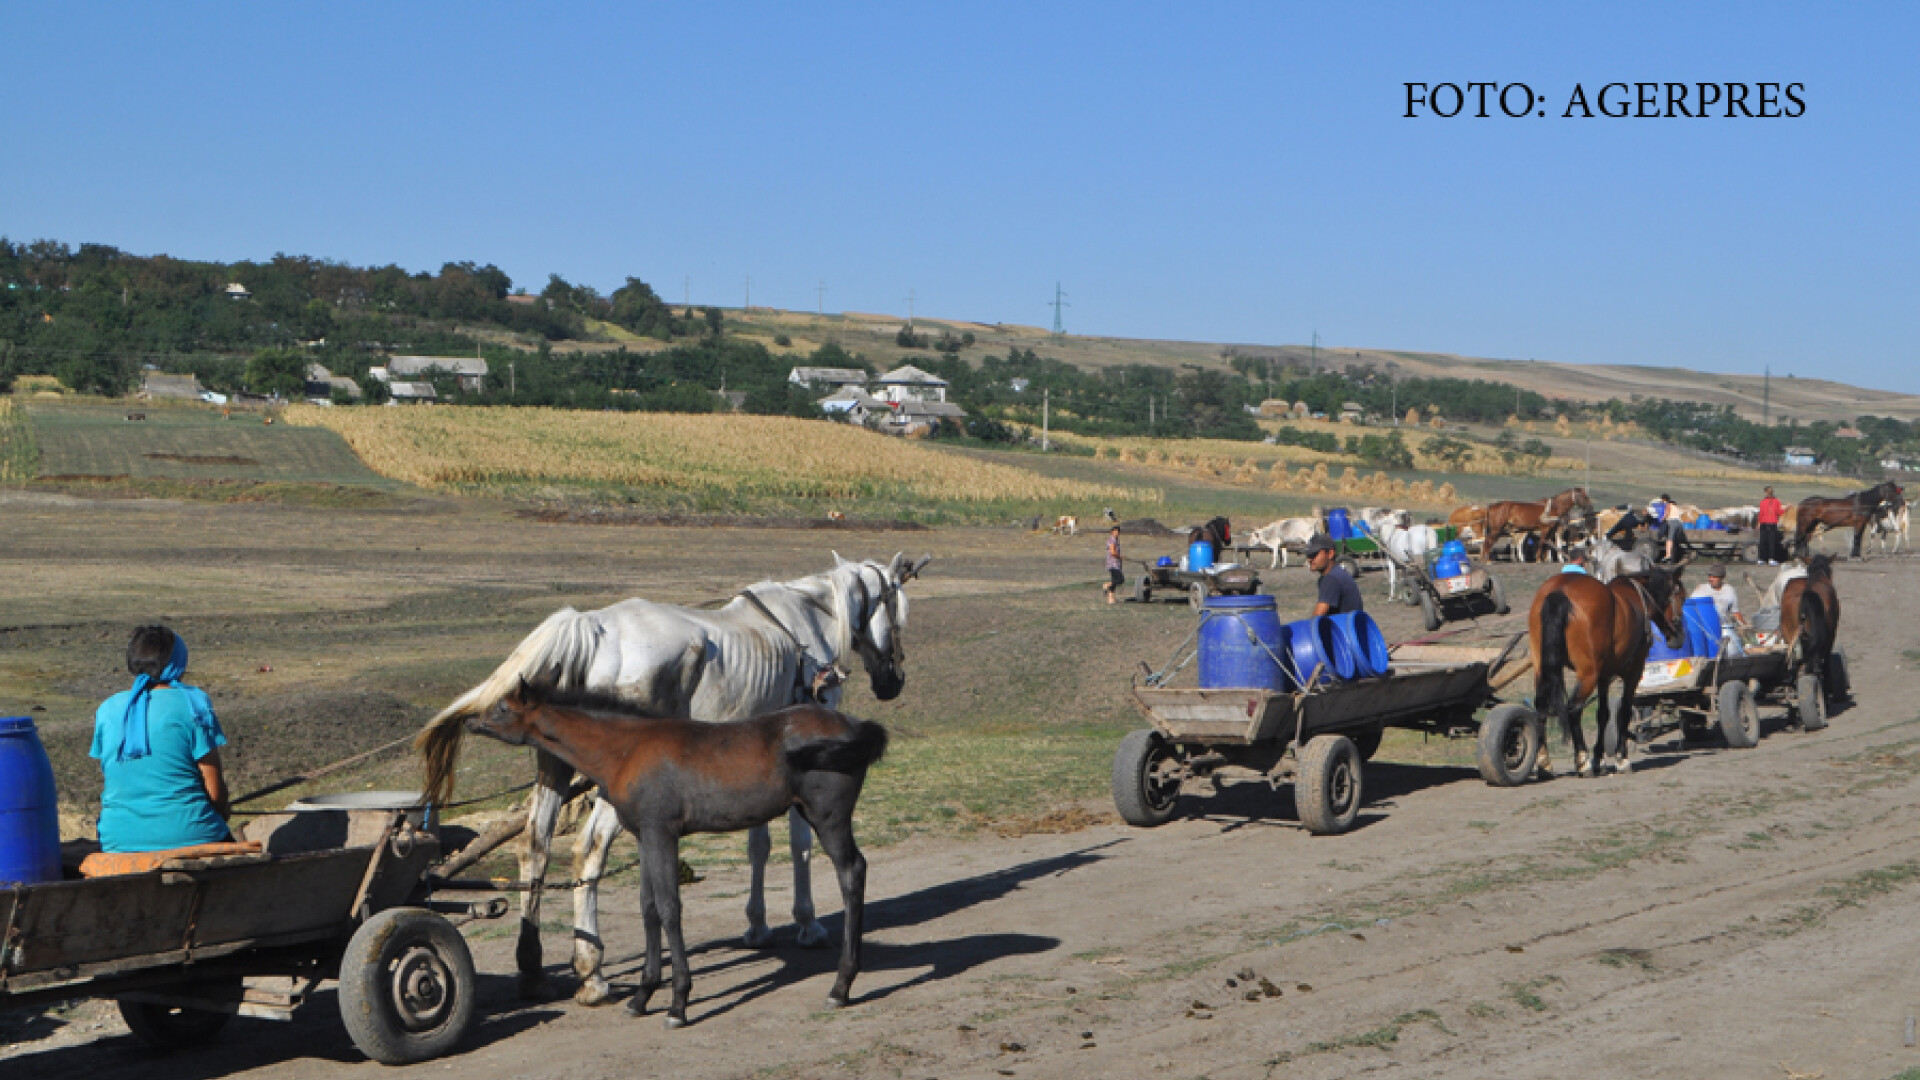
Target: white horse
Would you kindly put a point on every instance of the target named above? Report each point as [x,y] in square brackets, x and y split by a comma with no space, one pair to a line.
[1889,525]
[1278,535]
[1405,544]
[1608,560]
[772,645]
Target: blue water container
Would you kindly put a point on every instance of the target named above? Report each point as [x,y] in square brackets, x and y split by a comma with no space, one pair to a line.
[1456,548]
[1240,643]
[29,811]
[1165,560]
[1338,527]
[1360,527]
[1313,642]
[1360,636]
[1661,650]
[1446,566]
[1200,555]
[1703,627]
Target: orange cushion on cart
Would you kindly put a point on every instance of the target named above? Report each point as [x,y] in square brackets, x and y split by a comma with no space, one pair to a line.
[111,863]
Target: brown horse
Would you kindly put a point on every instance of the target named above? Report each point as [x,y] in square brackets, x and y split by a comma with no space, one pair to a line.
[670,777]
[1527,517]
[1218,532]
[1856,511]
[1601,632]
[1809,623]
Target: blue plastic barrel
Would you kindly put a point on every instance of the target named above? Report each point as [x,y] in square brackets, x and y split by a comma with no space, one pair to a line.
[1456,548]
[1661,650]
[1165,560]
[1360,636]
[1703,627]
[1446,566]
[1338,527]
[1200,555]
[1313,642]
[1240,641]
[29,812]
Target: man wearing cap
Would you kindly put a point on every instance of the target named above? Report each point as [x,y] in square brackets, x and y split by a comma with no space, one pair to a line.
[1727,602]
[1769,519]
[1339,595]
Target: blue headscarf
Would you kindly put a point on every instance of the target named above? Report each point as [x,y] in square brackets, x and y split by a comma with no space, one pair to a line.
[126,737]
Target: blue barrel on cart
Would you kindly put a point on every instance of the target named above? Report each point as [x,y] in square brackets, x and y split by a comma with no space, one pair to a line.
[1241,644]
[1315,643]
[29,810]
[1338,527]
[1200,555]
[1703,627]
[1360,636]
[1455,548]
[1661,650]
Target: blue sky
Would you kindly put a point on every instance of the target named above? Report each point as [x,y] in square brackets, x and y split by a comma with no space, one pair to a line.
[1222,172]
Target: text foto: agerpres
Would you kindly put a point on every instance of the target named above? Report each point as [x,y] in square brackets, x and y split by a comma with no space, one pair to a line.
[1647,100]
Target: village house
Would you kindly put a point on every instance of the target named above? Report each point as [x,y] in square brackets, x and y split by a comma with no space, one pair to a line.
[831,377]
[1801,457]
[912,417]
[410,392]
[853,404]
[322,383]
[909,383]
[159,385]
[471,371]
[1352,412]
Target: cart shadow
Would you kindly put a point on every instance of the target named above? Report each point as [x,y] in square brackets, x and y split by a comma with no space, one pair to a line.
[940,959]
[315,1034]
[1245,805]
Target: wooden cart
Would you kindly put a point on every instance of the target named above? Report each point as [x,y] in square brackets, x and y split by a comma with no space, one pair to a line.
[1318,740]
[1697,695]
[184,948]
[1195,585]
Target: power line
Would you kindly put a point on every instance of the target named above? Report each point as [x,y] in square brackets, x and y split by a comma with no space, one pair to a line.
[1059,301]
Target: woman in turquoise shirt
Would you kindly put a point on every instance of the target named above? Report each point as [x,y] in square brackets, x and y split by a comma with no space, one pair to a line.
[158,745]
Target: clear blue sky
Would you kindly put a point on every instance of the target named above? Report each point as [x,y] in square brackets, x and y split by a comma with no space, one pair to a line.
[1233,173]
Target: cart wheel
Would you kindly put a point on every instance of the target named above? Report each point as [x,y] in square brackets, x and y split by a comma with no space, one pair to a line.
[1143,589]
[1352,567]
[1809,703]
[1739,716]
[1327,790]
[1429,610]
[1197,595]
[169,1027]
[1508,746]
[1367,742]
[406,986]
[1498,594]
[1750,552]
[1145,783]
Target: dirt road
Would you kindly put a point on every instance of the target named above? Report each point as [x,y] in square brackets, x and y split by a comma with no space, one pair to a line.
[1715,914]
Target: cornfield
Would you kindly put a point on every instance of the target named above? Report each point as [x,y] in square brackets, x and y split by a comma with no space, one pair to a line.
[748,456]
[19,456]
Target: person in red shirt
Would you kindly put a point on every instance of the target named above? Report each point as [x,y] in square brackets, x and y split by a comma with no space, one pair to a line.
[1769,519]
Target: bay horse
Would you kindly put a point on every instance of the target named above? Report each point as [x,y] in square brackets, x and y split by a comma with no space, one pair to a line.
[667,777]
[1218,532]
[1602,632]
[1856,511]
[1809,623]
[1526,517]
[774,644]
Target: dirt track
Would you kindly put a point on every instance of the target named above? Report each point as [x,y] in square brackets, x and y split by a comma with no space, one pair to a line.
[1717,913]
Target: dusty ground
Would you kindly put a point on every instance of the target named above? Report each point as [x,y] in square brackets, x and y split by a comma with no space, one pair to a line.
[1717,913]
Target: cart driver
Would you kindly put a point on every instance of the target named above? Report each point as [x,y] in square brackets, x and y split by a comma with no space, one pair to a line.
[158,745]
[1339,594]
[1727,603]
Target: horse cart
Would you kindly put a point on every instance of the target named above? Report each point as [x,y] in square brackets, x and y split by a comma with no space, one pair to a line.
[1319,739]
[1446,599]
[186,946]
[1698,695]
[1196,585]
[1724,545]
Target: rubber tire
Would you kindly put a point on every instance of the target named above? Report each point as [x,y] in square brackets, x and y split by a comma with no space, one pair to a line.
[1142,590]
[1498,594]
[1739,716]
[1328,790]
[164,1027]
[1367,741]
[1810,703]
[368,1005]
[1351,566]
[1141,802]
[1497,735]
[1750,552]
[1197,595]
[1839,683]
[1429,611]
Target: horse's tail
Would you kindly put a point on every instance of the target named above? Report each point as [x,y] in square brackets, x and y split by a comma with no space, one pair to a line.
[1814,633]
[557,652]
[1550,685]
[851,754]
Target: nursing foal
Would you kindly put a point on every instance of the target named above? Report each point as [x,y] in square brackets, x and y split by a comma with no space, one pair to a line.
[670,777]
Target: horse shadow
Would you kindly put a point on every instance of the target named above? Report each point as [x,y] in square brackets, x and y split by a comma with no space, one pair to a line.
[315,1033]
[941,959]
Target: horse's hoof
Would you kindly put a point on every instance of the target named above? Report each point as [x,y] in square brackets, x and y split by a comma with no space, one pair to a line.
[757,937]
[636,1006]
[537,987]
[811,936]
[595,991]
[835,1001]
[674,1023]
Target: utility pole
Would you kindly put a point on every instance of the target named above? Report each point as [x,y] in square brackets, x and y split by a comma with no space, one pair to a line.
[1059,301]
[910,298]
[1046,417]
[1150,417]
[1316,352]
[511,388]
[1766,397]
[820,297]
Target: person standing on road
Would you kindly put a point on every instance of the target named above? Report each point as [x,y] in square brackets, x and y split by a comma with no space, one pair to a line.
[1116,574]
[1339,594]
[1769,519]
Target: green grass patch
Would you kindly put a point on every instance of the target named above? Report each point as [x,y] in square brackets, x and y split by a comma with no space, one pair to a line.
[192,444]
[1527,994]
[1624,958]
